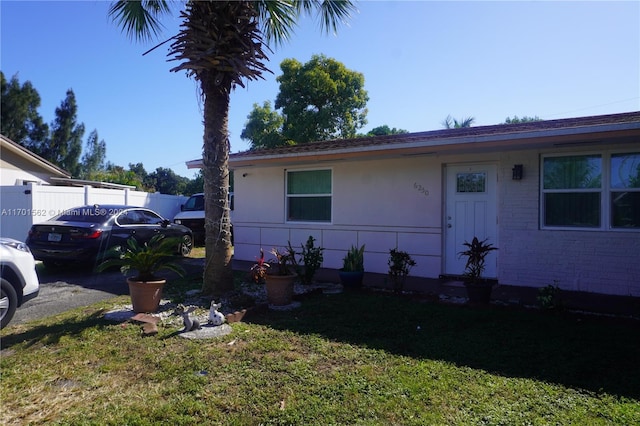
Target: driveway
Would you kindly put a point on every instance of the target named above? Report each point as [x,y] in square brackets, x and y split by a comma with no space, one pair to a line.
[72,287]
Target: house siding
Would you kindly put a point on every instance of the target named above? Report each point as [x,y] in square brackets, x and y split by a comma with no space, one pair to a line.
[397,200]
[382,204]
[596,261]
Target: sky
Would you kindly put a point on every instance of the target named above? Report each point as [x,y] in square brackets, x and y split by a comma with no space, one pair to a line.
[421,60]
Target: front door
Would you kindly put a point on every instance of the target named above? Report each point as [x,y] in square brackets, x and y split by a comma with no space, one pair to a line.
[470,211]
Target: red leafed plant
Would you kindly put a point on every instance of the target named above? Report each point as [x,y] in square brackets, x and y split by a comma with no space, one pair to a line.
[259,270]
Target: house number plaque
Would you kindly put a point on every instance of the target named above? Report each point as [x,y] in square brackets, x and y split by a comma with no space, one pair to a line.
[421,189]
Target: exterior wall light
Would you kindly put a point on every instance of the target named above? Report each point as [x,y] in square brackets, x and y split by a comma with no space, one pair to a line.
[517,172]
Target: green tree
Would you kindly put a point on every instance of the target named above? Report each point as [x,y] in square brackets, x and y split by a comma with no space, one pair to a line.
[452,123]
[65,142]
[166,181]
[94,155]
[524,119]
[320,100]
[195,185]
[19,117]
[148,183]
[385,130]
[263,127]
[222,44]
[117,174]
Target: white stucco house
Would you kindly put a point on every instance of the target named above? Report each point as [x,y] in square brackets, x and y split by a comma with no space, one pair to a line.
[559,198]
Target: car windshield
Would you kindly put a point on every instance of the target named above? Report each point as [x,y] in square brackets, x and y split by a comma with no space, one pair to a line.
[194,203]
[84,214]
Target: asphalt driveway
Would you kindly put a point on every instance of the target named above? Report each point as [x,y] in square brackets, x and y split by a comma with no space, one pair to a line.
[62,289]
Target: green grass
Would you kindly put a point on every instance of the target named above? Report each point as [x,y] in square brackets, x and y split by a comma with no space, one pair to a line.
[351,358]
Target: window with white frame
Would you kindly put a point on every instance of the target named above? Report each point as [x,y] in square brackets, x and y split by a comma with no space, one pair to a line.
[597,191]
[625,190]
[309,195]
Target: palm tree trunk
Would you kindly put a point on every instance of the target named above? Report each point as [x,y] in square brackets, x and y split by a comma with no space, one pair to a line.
[218,273]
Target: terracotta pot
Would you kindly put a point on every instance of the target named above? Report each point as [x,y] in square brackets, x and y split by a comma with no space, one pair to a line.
[280,289]
[145,295]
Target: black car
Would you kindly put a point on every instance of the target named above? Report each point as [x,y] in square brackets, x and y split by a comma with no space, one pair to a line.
[85,233]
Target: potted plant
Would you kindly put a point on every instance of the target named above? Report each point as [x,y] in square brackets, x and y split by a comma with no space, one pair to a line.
[352,270]
[145,288]
[400,264]
[280,278]
[311,257]
[478,288]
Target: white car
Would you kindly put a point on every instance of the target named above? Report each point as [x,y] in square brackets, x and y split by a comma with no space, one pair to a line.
[19,279]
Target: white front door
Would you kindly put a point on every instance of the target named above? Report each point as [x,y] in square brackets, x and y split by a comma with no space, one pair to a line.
[470,211]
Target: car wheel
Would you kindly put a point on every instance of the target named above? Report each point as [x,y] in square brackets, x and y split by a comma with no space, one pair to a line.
[186,245]
[8,302]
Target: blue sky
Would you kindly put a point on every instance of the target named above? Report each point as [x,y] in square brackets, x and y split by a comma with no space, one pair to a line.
[422,60]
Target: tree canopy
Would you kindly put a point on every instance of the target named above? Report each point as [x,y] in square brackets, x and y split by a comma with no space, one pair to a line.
[385,130]
[320,100]
[264,127]
[19,117]
[524,119]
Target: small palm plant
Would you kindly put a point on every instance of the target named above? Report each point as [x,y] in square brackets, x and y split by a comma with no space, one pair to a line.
[146,259]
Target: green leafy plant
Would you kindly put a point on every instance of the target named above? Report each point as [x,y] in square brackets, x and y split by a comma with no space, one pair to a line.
[284,260]
[400,264]
[549,296]
[354,260]
[312,258]
[146,259]
[476,254]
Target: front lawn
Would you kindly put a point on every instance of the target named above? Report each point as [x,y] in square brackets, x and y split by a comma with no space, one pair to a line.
[350,358]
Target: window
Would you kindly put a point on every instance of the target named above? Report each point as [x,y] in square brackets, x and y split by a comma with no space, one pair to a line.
[309,196]
[625,190]
[471,182]
[591,191]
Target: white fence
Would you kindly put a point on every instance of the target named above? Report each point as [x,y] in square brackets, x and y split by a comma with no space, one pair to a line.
[23,206]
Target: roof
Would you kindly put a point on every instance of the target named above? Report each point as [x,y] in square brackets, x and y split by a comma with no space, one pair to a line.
[95,184]
[35,159]
[531,135]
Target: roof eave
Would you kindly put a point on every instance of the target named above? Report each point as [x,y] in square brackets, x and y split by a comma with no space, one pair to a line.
[534,139]
[33,158]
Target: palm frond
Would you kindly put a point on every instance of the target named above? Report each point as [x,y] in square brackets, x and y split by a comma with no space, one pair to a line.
[332,13]
[277,19]
[139,19]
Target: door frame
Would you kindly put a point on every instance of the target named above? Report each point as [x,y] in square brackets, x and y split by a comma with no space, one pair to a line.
[450,262]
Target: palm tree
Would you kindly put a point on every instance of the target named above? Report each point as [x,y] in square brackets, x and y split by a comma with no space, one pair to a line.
[221,44]
[452,123]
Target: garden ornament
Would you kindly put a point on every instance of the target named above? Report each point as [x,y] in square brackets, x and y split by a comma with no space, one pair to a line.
[190,324]
[215,317]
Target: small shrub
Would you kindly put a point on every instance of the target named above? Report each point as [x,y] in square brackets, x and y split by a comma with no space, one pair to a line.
[312,259]
[400,264]
[549,297]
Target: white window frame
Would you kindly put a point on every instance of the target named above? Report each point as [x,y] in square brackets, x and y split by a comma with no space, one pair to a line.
[287,196]
[605,191]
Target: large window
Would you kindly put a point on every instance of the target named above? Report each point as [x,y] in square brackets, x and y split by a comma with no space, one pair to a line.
[625,190]
[309,196]
[591,191]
